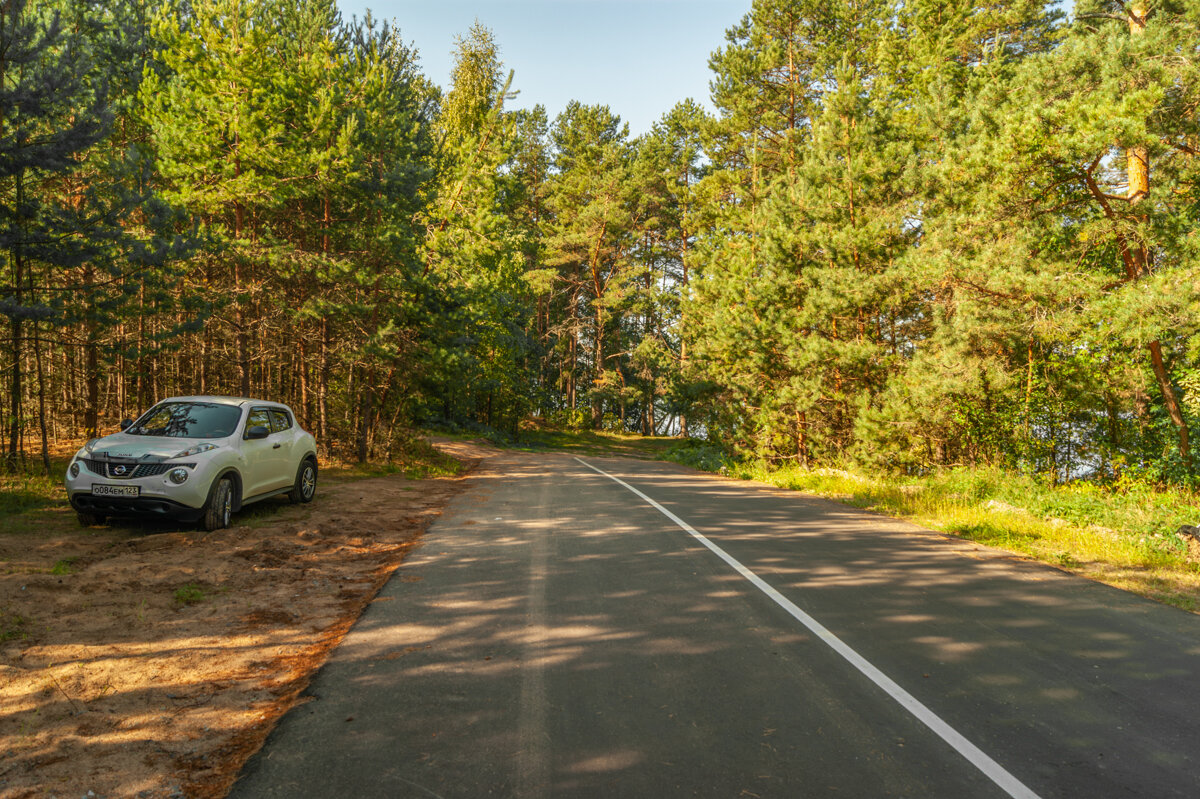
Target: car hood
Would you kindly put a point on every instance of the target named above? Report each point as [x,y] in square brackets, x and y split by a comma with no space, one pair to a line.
[123,445]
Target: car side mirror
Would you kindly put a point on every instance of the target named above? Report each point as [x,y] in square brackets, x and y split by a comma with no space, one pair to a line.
[125,423]
[258,431]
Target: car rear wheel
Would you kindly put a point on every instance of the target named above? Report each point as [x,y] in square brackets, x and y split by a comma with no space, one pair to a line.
[90,519]
[306,482]
[220,505]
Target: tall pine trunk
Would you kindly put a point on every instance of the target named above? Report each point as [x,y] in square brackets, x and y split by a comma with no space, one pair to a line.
[41,376]
[15,388]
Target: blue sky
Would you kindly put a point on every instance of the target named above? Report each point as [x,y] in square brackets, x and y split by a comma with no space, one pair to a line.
[638,57]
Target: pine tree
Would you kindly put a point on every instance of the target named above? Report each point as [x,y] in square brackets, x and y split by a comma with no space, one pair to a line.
[1077,264]
[669,166]
[475,247]
[592,198]
[49,118]
[79,226]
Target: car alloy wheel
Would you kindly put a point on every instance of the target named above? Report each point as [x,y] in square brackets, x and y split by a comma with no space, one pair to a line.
[305,487]
[308,482]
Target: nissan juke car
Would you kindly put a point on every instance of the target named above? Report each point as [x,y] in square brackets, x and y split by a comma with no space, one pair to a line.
[194,459]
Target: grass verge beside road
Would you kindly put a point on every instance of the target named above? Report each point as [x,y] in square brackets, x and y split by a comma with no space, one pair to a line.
[1125,536]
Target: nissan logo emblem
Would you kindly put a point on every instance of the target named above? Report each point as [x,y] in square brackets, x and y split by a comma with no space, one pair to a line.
[120,469]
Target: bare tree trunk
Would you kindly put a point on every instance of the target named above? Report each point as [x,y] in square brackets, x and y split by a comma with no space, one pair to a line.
[15,389]
[302,376]
[323,386]
[41,376]
[366,414]
[14,397]
[683,334]
[573,348]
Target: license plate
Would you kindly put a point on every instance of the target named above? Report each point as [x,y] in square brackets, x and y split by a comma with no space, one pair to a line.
[115,491]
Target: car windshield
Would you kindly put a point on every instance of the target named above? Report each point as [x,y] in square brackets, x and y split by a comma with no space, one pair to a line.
[187,420]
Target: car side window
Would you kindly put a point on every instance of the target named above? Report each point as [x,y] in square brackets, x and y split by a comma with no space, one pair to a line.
[280,420]
[259,417]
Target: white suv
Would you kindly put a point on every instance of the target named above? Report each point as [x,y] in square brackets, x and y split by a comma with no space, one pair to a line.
[194,459]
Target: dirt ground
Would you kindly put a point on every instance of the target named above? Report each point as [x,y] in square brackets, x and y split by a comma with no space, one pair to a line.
[153,664]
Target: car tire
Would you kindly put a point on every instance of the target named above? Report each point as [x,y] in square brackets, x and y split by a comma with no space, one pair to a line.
[305,487]
[90,519]
[220,505]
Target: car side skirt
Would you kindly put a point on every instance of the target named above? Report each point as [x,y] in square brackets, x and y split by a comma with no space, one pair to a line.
[267,495]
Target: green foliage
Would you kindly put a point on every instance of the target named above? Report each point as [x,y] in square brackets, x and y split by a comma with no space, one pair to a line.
[701,455]
[918,252]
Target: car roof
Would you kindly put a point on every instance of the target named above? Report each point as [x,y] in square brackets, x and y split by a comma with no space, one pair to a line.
[220,400]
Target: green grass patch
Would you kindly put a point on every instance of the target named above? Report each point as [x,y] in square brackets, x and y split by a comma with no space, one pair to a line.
[33,503]
[189,594]
[12,626]
[1124,535]
[415,459]
[62,567]
[29,489]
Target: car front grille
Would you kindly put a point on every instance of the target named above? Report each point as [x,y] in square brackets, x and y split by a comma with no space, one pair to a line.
[132,471]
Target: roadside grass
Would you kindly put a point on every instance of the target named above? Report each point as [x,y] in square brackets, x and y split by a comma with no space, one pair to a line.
[595,442]
[1125,536]
[414,458]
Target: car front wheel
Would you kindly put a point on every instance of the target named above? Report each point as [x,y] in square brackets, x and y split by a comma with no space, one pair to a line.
[220,506]
[306,482]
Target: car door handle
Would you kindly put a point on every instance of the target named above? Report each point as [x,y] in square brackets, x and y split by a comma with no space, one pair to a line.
[276,446]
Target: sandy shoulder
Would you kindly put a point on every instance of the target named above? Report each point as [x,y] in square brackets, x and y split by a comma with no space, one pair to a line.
[157,663]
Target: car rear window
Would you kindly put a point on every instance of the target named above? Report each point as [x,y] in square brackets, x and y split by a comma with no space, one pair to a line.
[280,420]
[187,420]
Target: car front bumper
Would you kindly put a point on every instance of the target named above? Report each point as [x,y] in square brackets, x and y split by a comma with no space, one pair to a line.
[157,496]
[144,507]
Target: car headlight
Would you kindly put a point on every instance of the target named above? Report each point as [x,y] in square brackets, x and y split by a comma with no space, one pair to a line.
[178,476]
[89,446]
[73,470]
[196,450]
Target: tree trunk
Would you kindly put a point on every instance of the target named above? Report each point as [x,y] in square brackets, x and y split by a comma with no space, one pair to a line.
[14,398]
[41,376]
[366,412]
[1171,401]
[91,371]
[323,386]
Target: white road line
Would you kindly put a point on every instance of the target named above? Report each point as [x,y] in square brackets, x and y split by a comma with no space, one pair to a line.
[993,770]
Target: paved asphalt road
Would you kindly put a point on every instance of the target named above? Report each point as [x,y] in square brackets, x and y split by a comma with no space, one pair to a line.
[557,636]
